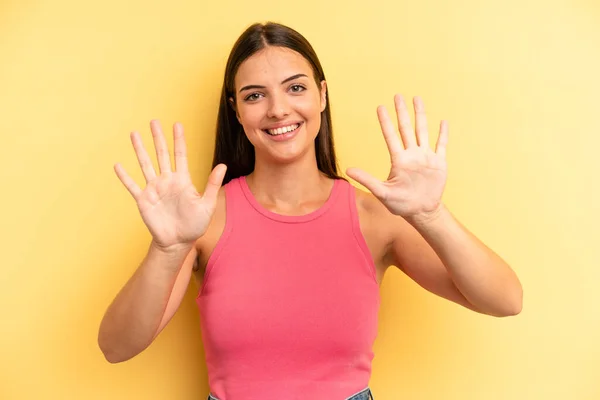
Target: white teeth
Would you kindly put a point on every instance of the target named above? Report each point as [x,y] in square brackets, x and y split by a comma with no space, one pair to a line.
[285,129]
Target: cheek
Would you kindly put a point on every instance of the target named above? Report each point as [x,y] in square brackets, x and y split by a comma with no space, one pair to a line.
[251,117]
[310,108]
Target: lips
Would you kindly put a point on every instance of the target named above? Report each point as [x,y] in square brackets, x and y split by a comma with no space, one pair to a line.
[283,130]
[284,137]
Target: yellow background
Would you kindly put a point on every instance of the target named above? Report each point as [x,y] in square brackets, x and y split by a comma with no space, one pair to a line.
[518,82]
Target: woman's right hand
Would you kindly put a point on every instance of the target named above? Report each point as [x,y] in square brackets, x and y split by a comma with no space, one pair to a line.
[174,212]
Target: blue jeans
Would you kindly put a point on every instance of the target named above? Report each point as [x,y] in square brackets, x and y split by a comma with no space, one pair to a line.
[362,395]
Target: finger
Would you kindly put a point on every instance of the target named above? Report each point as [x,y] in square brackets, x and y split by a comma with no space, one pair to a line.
[421,122]
[442,141]
[160,144]
[129,183]
[404,124]
[143,157]
[181,163]
[215,179]
[389,132]
[374,185]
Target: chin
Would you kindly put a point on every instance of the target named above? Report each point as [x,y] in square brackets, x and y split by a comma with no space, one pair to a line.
[285,157]
[286,154]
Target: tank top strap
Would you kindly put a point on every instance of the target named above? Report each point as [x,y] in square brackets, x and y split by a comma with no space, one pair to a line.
[356,230]
[233,192]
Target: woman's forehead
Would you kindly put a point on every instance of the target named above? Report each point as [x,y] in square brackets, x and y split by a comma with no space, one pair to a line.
[272,64]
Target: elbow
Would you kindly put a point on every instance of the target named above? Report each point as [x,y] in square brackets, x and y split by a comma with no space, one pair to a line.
[514,310]
[113,357]
[509,307]
[118,351]
[110,353]
[515,306]
[518,301]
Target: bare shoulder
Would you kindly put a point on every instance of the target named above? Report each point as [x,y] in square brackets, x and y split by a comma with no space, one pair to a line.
[372,210]
[391,232]
[378,213]
[368,203]
[207,242]
[376,225]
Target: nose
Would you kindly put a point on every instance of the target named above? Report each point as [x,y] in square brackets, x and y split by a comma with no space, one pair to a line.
[279,107]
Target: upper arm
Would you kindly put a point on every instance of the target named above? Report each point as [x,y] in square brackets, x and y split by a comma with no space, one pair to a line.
[179,289]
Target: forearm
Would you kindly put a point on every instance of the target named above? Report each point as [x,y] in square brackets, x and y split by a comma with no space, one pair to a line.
[480,275]
[133,317]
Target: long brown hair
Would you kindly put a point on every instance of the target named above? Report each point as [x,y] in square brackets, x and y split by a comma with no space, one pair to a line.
[232,147]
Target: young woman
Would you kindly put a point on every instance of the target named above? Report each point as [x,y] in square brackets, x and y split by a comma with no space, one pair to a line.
[287,255]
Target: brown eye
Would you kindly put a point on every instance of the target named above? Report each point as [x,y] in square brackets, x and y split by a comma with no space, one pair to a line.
[252,97]
[297,88]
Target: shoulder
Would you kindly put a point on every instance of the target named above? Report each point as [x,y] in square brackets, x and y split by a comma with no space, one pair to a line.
[218,218]
[378,223]
[205,244]
[370,208]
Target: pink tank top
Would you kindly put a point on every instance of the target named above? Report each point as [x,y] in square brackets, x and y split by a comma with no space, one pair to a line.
[289,304]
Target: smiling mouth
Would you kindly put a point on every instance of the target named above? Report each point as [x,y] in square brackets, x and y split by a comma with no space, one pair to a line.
[281,131]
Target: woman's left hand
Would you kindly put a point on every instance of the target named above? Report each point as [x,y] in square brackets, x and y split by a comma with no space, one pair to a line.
[417,177]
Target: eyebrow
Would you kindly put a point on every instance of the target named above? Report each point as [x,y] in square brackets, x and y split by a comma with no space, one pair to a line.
[291,78]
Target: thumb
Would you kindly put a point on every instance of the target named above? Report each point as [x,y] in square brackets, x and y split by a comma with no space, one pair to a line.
[215,179]
[367,180]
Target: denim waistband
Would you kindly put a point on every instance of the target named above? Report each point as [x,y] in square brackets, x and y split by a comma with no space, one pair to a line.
[364,394]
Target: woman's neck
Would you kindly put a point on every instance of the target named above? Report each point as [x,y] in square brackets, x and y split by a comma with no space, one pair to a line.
[289,185]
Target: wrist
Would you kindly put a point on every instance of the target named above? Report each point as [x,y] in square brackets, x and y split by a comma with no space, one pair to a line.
[171,249]
[427,218]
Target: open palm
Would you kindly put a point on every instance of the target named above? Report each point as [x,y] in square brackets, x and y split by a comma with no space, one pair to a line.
[170,206]
[418,174]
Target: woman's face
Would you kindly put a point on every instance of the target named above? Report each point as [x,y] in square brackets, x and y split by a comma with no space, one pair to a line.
[279,104]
